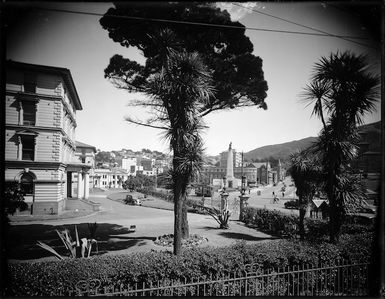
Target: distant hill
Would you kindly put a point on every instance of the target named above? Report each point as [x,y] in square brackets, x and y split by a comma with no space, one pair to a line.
[279,151]
[282,151]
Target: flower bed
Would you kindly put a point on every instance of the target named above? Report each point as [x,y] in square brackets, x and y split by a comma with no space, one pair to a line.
[168,241]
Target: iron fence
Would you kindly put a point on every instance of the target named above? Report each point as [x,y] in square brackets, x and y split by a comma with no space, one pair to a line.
[342,278]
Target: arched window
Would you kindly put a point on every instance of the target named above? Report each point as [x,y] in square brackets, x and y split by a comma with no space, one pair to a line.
[26,182]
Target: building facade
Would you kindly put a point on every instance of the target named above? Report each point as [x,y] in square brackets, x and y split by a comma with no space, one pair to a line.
[40,108]
[109,178]
[256,173]
[237,158]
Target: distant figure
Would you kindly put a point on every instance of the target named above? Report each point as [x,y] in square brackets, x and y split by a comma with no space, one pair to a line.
[273,194]
[276,199]
[283,194]
[249,190]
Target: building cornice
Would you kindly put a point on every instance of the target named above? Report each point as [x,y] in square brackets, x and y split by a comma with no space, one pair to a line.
[34,164]
[22,95]
[64,72]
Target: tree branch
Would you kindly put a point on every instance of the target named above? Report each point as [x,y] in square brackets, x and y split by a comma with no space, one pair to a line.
[145,125]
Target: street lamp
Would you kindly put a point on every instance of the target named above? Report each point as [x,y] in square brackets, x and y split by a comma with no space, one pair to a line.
[243,185]
[224,195]
[243,199]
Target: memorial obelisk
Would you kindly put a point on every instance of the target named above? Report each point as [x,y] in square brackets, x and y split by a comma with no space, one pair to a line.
[230,169]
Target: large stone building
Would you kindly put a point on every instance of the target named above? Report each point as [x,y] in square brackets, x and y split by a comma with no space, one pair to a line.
[255,173]
[40,108]
[109,178]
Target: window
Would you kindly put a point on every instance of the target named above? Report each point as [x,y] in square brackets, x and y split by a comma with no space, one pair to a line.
[28,145]
[29,113]
[26,182]
[83,159]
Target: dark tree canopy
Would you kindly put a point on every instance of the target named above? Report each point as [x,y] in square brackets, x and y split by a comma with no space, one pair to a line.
[237,73]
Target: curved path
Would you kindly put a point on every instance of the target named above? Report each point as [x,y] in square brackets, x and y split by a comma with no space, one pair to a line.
[114,221]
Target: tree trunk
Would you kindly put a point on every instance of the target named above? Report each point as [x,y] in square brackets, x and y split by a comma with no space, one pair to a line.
[178,216]
[301,225]
[180,182]
[185,228]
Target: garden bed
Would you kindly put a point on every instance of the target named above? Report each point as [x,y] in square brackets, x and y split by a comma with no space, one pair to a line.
[168,241]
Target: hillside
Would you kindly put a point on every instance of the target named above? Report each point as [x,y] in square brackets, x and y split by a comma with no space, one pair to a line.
[282,151]
[279,151]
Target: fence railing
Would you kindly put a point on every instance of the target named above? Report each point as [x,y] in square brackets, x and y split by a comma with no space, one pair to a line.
[342,278]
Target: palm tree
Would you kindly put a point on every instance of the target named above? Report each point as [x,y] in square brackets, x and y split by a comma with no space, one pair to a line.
[307,174]
[182,87]
[345,91]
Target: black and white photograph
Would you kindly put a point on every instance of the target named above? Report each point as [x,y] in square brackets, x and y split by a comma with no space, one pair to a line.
[192,149]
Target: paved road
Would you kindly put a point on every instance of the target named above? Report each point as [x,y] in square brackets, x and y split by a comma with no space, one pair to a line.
[264,200]
[115,218]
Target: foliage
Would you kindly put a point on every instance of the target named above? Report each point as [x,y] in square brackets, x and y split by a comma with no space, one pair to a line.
[189,72]
[13,198]
[182,87]
[73,246]
[168,240]
[306,172]
[56,278]
[345,90]
[271,221]
[316,229]
[222,217]
[237,73]
[139,181]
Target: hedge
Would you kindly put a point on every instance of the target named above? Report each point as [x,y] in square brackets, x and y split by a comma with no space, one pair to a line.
[284,225]
[56,278]
[271,221]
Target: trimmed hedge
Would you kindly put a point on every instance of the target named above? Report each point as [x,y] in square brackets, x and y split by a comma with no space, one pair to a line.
[271,221]
[59,277]
[284,225]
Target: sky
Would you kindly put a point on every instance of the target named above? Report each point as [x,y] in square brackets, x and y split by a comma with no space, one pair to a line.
[79,43]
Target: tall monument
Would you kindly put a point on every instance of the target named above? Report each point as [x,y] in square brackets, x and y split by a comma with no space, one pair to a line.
[230,170]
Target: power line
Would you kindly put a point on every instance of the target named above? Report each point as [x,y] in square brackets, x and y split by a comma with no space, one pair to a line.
[187,22]
[308,27]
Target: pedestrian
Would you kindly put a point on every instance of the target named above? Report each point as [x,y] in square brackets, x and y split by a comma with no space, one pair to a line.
[249,190]
[273,194]
[283,194]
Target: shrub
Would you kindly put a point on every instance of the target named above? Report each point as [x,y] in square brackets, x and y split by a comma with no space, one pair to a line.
[59,277]
[271,221]
[316,229]
[353,228]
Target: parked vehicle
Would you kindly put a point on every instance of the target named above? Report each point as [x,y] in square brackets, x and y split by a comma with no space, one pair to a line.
[129,200]
[292,204]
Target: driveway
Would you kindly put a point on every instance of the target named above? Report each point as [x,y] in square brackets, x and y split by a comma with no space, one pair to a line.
[113,235]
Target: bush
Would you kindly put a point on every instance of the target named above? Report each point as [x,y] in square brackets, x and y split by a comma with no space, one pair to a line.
[160,194]
[270,221]
[316,229]
[353,228]
[59,277]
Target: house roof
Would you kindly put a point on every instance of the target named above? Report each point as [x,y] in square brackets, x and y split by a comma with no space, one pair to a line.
[319,202]
[65,73]
[255,164]
[84,145]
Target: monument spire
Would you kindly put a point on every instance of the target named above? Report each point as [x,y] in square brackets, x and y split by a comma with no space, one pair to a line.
[230,169]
